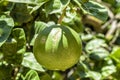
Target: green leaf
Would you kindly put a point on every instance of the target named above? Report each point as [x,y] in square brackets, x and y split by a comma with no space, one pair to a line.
[108,70]
[99,54]
[31,75]
[70,14]
[94,75]
[30,62]
[106,67]
[6,25]
[86,37]
[19,35]
[55,6]
[16,46]
[116,54]
[95,44]
[37,3]
[5,72]
[93,8]
[72,19]
[38,27]
[97,10]
[82,67]
[84,72]
[96,49]
[20,13]
[28,1]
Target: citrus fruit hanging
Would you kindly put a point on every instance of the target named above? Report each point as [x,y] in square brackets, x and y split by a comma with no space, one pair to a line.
[57,47]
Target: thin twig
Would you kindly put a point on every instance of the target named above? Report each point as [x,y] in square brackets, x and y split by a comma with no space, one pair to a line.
[112,29]
[115,37]
[118,25]
[116,34]
[106,24]
[111,15]
[99,1]
[117,16]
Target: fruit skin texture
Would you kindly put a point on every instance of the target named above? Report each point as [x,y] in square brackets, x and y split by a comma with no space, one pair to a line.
[57,47]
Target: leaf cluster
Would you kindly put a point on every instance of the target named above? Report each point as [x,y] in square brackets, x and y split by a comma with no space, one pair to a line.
[96,21]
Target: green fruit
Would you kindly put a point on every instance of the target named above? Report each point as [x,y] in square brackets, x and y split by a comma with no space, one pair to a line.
[57,47]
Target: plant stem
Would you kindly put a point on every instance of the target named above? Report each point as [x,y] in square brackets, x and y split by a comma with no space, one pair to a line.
[112,29]
[62,16]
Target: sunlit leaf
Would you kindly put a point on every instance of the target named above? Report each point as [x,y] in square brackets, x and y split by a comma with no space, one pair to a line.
[56,6]
[28,1]
[116,55]
[99,54]
[6,25]
[38,26]
[97,49]
[97,10]
[86,37]
[108,70]
[32,75]
[95,44]
[94,75]
[93,8]
[30,62]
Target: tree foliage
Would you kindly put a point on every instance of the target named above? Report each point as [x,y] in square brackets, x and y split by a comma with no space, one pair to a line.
[96,21]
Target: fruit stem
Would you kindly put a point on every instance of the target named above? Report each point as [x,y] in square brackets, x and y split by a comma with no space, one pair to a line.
[62,16]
